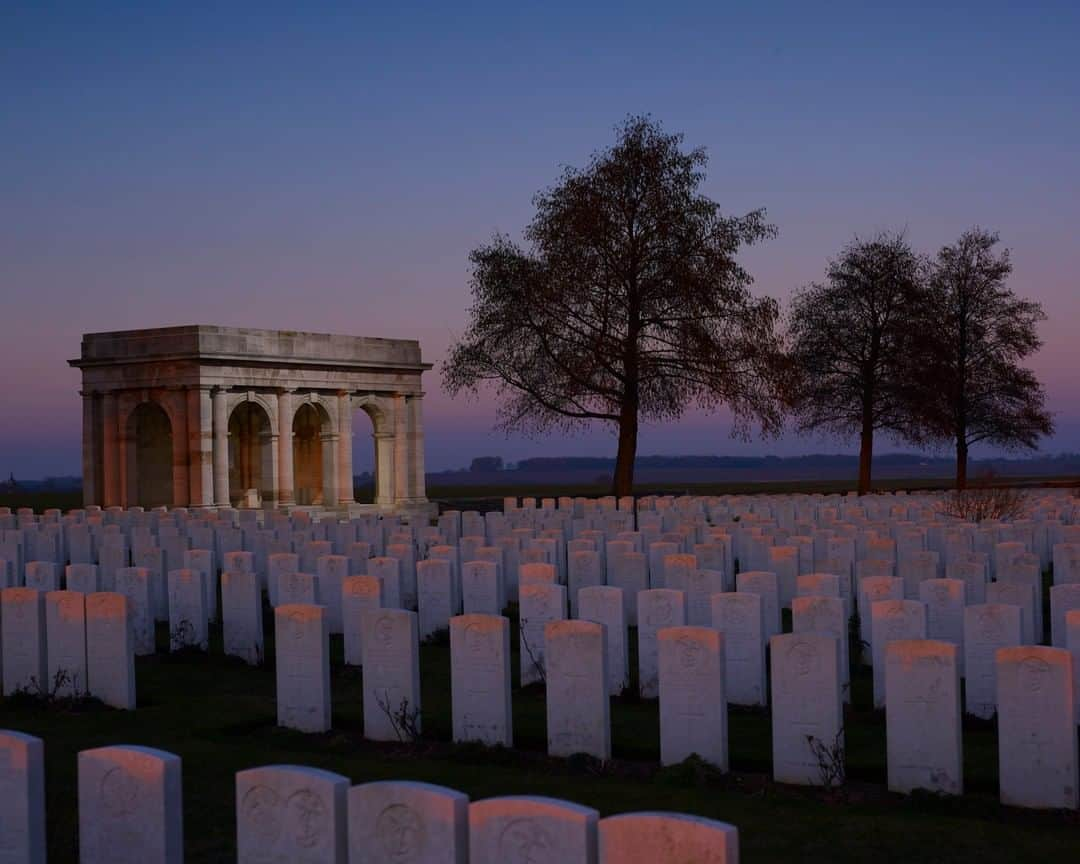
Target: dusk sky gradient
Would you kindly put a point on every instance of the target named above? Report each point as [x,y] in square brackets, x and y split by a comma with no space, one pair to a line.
[328,168]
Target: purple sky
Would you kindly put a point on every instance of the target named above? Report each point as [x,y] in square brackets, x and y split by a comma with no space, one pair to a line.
[330,171]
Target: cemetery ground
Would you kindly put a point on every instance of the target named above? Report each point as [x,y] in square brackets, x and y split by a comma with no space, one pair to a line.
[218,715]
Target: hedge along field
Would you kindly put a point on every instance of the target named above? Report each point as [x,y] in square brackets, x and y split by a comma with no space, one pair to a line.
[218,715]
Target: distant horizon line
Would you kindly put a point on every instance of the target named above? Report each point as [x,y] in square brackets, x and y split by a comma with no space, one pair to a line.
[597,461]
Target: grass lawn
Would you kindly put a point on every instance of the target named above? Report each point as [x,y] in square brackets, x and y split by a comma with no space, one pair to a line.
[218,715]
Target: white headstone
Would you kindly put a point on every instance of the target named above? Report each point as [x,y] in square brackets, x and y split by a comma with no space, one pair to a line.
[435,595]
[825,615]
[944,599]
[739,617]
[242,616]
[110,650]
[291,813]
[922,716]
[763,583]
[302,648]
[540,602]
[481,588]
[987,627]
[22,791]
[807,714]
[657,608]
[1063,599]
[1072,645]
[693,704]
[480,679]
[65,640]
[604,605]
[1020,595]
[134,584]
[42,576]
[332,571]
[188,626]
[22,641]
[202,561]
[391,674]
[524,829]
[82,578]
[278,564]
[388,571]
[358,594]
[394,822]
[1037,745]
[891,620]
[578,710]
[152,559]
[666,837]
[130,807]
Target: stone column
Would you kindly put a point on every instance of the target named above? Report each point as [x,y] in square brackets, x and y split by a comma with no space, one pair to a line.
[345,466]
[401,449]
[91,483]
[200,432]
[181,448]
[221,448]
[417,484]
[285,493]
[110,451]
[384,469]
[329,441]
[125,405]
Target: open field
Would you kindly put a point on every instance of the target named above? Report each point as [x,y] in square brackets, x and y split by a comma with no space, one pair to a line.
[488,497]
[219,716]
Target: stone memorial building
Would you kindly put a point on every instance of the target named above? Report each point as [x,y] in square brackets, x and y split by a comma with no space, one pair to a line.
[201,416]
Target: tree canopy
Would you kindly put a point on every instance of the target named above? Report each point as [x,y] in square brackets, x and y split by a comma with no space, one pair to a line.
[852,340]
[973,388]
[625,303]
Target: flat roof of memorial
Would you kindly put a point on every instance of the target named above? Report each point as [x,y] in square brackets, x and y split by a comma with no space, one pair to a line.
[212,343]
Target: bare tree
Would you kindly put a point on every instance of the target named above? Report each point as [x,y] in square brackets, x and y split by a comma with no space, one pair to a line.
[628,303]
[974,388]
[852,338]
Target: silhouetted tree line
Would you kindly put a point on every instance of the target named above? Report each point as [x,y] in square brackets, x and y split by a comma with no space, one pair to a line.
[628,304]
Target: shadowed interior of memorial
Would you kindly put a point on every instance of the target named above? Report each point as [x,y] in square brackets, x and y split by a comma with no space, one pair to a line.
[311,431]
[251,459]
[150,471]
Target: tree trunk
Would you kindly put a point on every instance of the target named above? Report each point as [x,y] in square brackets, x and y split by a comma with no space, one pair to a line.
[961,463]
[866,455]
[624,461]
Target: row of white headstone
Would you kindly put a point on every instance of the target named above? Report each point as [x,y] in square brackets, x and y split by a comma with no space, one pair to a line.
[1034,696]
[130,804]
[67,644]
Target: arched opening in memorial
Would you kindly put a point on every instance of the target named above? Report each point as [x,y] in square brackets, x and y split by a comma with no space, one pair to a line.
[377,457]
[363,456]
[311,448]
[151,462]
[251,460]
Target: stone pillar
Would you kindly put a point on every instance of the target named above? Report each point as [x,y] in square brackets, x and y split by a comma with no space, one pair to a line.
[285,448]
[329,448]
[417,484]
[125,405]
[91,483]
[384,469]
[401,449]
[200,433]
[345,466]
[221,448]
[110,452]
[181,449]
